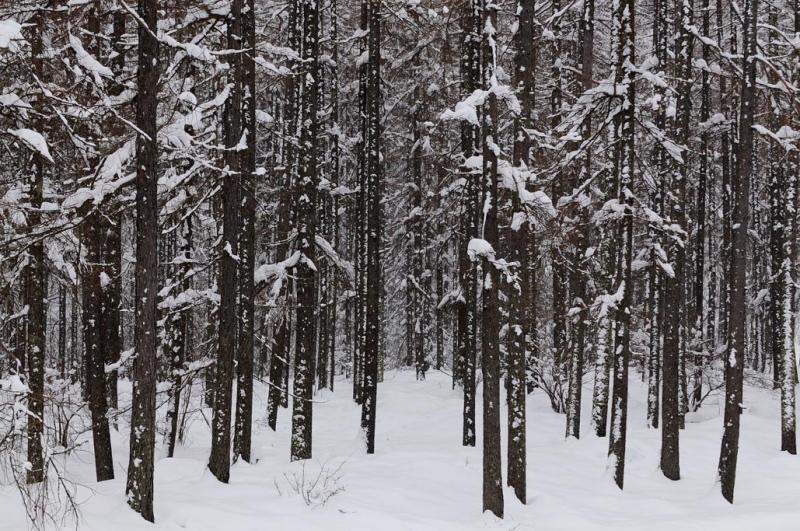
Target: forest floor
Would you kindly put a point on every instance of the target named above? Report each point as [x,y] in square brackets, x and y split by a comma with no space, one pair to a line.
[421,478]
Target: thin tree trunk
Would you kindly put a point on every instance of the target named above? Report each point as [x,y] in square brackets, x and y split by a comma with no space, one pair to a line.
[578,277]
[247,242]
[372,343]
[181,340]
[699,328]
[35,292]
[472,24]
[439,319]
[279,359]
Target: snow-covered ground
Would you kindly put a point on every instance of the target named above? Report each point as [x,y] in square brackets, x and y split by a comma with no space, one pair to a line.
[421,478]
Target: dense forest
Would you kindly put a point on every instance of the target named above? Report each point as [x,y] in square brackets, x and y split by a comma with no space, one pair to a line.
[563,200]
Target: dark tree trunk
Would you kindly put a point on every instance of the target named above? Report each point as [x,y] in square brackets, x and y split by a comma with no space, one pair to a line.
[219,461]
[372,342]
[492,466]
[182,331]
[558,261]
[247,242]
[439,319]
[472,24]
[737,320]
[93,339]
[518,240]
[674,331]
[35,291]
[359,237]
[62,331]
[577,275]
[306,208]
[112,246]
[139,487]
[624,166]
[333,298]
[417,285]
[699,328]
[279,359]
[782,197]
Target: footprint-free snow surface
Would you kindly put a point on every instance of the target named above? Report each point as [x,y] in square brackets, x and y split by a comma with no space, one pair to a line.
[421,478]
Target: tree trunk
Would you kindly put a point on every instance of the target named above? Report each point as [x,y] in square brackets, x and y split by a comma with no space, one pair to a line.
[374,188]
[577,275]
[699,327]
[35,292]
[674,331]
[279,359]
[492,467]
[439,319]
[472,23]
[737,320]
[306,208]
[93,339]
[624,166]
[139,487]
[247,242]
[219,461]
[182,325]
[518,241]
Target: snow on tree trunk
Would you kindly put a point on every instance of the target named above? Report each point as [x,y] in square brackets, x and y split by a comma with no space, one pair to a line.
[624,158]
[139,486]
[737,320]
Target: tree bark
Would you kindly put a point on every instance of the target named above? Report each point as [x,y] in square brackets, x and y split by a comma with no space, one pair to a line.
[737,320]
[35,291]
[518,241]
[492,467]
[581,236]
[219,461]
[472,21]
[625,155]
[247,241]
[372,342]
[139,487]
[674,331]
[306,208]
